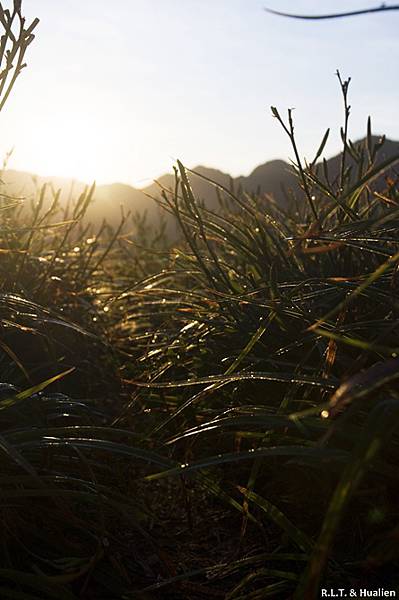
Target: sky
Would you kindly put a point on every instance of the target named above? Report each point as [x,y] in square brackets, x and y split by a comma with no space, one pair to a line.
[117,91]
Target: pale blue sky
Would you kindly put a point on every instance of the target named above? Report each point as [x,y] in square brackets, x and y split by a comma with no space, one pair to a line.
[115,91]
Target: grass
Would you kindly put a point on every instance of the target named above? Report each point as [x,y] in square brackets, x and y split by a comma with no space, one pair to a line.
[257,318]
[210,416]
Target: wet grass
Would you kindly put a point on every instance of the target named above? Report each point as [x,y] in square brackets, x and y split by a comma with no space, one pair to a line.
[266,368]
[214,416]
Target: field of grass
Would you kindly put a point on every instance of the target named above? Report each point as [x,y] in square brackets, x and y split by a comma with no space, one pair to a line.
[210,417]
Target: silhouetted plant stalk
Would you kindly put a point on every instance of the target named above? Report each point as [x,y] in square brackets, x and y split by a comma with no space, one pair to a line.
[290,132]
[13,45]
[344,130]
[352,13]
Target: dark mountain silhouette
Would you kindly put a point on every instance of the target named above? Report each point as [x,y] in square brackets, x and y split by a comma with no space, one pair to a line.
[270,178]
[389,149]
[274,179]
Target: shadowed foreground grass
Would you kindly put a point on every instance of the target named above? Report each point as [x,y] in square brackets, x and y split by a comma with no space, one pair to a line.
[210,417]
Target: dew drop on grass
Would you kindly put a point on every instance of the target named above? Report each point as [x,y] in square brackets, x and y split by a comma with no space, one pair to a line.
[324,414]
[376,515]
[76,249]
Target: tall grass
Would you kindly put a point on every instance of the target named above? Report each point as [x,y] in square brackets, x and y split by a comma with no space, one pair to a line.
[267,369]
[215,416]
[66,500]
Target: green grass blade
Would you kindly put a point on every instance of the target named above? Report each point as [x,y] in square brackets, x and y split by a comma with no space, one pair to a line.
[381,424]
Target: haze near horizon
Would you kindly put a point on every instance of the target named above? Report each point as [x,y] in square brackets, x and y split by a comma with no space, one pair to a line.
[117,94]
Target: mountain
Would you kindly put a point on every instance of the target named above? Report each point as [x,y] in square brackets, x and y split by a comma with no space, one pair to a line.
[22,184]
[274,178]
[270,178]
[389,149]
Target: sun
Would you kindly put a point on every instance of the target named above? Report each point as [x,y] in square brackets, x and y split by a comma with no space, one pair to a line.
[71,146]
[66,138]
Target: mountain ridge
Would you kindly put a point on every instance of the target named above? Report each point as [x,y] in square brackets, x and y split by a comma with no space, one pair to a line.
[270,178]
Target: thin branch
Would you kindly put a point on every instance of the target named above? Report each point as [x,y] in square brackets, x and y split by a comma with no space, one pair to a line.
[365,11]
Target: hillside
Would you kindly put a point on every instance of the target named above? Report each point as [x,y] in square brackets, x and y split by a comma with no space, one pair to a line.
[274,178]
